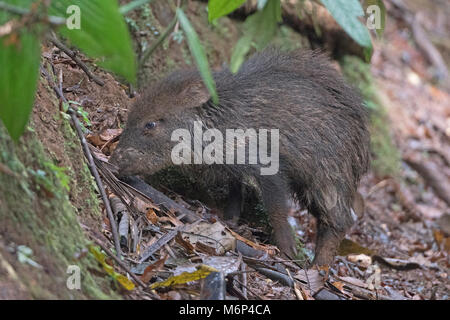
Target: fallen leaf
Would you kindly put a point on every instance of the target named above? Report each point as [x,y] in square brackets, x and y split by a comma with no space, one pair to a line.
[125,282]
[271,250]
[312,278]
[151,216]
[354,281]
[184,243]
[202,272]
[213,235]
[150,270]
[348,246]
[361,260]
[338,285]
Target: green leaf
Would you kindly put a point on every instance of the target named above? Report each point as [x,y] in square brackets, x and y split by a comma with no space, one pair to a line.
[220,8]
[198,53]
[240,50]
[381,11]
[19,69]
[262,25]
[346,13]
[259,30]
[103,34]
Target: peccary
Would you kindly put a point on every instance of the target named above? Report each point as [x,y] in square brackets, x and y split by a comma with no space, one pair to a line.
[323,136]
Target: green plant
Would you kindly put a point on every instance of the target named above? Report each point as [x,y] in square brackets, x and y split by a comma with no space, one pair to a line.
[95,26]
[99,29]
[261,26]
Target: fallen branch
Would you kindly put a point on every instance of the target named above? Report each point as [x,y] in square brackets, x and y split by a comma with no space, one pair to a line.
[431,174]
[90,162]
[159,198]
[77,60]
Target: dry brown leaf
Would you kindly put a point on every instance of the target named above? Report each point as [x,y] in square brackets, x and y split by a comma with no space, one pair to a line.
[184,243]
[354,281]
[143,206]
[150,270]
[271,250]
[339,285]
[151,216]
[361,260]
[314,281]
[214,235]
[109,134]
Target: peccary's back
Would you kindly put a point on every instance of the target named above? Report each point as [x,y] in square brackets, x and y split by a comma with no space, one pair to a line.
[321,120]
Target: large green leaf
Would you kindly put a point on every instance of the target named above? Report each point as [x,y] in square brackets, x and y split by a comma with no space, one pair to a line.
[346,13]
[262,25]
[220,8]
[198,53]
[103,34]
[19,69]
[259,30]
[240,50]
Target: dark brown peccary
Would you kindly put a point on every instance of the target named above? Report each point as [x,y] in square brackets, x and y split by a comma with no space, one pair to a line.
[322,122]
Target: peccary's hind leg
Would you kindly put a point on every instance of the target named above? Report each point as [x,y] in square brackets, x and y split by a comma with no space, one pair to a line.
[275,195]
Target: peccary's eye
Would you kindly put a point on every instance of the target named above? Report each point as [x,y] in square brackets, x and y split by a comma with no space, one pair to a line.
[150,125]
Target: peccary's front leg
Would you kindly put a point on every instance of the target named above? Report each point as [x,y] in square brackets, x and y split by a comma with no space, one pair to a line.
[233,206]
[275,195]
[331,229]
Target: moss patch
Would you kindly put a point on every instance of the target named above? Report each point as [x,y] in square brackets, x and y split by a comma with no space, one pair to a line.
[386,159]
[35,211]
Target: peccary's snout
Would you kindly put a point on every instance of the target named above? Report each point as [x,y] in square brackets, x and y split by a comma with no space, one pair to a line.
[126,160]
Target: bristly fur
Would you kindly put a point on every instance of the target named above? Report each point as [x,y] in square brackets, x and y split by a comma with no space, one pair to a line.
[324,139]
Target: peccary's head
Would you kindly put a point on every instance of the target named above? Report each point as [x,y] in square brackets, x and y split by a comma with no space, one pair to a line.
[145,144]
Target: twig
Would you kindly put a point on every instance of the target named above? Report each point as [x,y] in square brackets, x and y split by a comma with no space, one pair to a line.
[159,243]
[90,163]
[297,292]
[77,60]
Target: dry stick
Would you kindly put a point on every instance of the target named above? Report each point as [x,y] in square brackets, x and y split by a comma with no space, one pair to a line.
[244,279]
[77,60]
[159,243]
[250,290]
[90,163]
[94,172]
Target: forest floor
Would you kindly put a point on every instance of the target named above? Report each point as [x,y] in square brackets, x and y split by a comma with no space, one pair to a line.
[399,248]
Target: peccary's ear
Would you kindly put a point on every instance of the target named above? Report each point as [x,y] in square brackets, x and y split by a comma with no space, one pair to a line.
[194,94]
